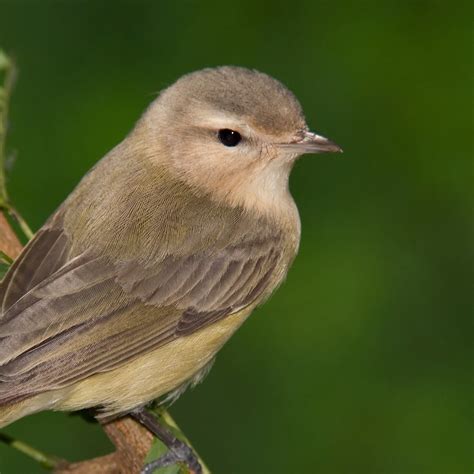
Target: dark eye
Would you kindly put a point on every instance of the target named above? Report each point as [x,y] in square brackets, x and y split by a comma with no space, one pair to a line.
[229,137]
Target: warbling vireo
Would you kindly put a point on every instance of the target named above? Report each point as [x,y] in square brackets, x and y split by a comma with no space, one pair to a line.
[160,253]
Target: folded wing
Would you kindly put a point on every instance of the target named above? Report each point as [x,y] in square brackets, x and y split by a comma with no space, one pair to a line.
[65,317]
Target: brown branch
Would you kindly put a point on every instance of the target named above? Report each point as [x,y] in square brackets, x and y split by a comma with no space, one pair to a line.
[132,443]
[9,242]
[131,440]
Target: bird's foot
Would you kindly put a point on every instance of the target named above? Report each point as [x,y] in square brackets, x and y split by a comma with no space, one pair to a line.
[179,452]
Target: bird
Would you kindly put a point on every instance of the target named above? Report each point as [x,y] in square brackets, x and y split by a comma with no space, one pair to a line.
[160,253]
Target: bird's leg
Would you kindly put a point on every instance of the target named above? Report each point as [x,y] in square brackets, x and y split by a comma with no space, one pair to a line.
[178,451]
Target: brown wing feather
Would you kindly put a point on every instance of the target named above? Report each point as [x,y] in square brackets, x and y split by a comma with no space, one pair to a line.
[64,318]
[22,276]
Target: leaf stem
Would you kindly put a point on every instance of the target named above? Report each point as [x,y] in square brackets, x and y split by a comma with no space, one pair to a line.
[25,228]
[49,462]
[7,67]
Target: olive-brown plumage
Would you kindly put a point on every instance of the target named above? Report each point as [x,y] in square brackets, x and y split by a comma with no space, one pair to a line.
[160,253]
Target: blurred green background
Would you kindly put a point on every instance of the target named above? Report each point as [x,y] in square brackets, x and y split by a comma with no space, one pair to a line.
[362,361]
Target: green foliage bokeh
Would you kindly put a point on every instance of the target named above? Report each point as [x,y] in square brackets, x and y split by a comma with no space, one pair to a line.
[362,361]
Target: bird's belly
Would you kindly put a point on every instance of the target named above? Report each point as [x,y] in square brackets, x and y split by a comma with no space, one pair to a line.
[153,374]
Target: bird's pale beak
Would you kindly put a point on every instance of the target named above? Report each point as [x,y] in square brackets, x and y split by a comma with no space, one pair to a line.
[312,143]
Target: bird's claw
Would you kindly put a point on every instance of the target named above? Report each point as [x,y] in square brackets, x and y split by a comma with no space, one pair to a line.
[179,452]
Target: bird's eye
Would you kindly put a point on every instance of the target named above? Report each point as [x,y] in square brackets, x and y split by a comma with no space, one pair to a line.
[229,137]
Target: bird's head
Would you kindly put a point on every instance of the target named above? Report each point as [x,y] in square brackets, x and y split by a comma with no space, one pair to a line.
[232,132]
